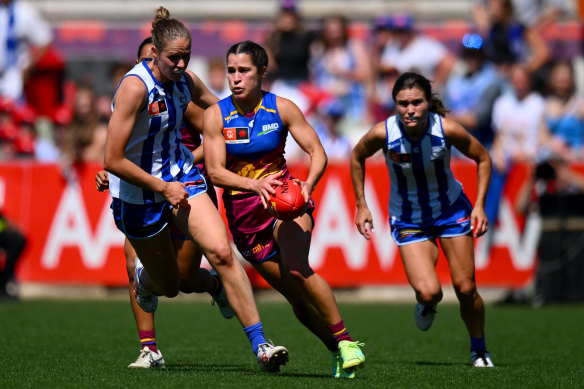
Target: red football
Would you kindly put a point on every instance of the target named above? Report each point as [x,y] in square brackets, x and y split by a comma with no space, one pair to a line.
[288,201]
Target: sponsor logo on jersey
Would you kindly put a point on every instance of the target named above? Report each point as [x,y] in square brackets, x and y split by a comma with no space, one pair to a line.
[234,135]
[157,108]
[399,157]
[267,128]
[232,115]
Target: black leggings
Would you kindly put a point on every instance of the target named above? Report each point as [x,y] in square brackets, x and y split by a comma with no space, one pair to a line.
[12,242]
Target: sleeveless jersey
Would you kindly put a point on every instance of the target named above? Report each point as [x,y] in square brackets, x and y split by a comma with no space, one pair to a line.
[422,184]
[254,145]
[155,142]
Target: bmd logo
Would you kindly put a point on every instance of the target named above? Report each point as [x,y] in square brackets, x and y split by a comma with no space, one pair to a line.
[271,126]
[267,128]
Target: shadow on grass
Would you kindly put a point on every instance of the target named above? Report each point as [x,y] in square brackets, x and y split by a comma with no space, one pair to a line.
[205,367]
[435,363]
[239,369]
[300,375]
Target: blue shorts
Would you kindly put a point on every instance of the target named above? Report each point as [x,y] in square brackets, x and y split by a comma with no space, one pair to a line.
[142,221]
[455,222]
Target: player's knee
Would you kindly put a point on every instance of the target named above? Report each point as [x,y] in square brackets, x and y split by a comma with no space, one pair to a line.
[221,255]
[429,296]
[466,289]
[130,269]
[300,275]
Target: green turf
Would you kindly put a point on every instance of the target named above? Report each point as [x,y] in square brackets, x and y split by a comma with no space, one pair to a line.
[63,344]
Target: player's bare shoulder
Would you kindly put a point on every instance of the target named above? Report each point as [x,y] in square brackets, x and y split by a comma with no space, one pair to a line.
[289,111]
[451,127]
[131,92]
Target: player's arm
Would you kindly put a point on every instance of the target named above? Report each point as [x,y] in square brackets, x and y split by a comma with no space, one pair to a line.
[201,95]
[129,100]
[216,157]
[307,139]
[368,145]
[468,145]
[193,120]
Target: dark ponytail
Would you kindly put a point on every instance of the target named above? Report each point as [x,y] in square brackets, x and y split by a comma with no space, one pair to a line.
[410,80]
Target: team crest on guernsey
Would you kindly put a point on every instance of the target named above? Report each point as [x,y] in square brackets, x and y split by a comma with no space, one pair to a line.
[157,108]
[438,152]
[234,135]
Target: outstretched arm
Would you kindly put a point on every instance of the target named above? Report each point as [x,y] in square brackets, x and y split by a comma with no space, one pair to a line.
[368,145]
[307,139]
[473,149]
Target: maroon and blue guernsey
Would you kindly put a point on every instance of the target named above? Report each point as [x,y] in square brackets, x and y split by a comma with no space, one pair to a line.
[255,148]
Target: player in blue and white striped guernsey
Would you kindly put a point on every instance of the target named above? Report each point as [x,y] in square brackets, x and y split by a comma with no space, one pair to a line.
[153,180]
[426,202]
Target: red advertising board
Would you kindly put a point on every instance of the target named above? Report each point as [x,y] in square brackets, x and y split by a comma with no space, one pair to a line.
[72,238]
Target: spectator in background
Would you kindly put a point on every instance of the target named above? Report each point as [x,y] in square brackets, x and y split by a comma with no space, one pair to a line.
[25,141]
[341,67]
[288,47]
[470,93]
[216,77]
[507,37]
[409,50]
[83,139]
[336,145]
[530,13]
[564,114]
[24,37]
[519,131]
[12,243]
[22,135]
[383,77]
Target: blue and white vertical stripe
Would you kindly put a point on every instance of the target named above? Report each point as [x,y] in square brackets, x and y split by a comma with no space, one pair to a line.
[155,142]
[422,186]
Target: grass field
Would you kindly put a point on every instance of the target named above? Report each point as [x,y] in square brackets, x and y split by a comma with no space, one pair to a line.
[74,344]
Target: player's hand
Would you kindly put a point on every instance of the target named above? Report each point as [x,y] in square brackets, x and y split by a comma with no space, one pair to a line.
[265,187]
[306,189]
[364,222]
[479,224]
[175,193]
[101,181]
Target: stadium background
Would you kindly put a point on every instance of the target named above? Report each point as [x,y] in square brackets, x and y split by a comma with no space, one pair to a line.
[72,239]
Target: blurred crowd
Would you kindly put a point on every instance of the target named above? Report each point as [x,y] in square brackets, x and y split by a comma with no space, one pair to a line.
[502,82]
